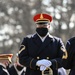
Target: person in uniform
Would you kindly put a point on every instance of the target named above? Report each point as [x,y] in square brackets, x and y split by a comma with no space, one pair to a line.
[69,63]
[41,52]
[5,60]
[16,68]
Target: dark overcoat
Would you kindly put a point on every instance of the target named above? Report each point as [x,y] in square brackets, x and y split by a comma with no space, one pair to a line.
[3,70]
[69,63]
[33,49]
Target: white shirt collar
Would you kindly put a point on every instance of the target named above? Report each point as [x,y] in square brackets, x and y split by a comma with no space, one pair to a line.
[43,38]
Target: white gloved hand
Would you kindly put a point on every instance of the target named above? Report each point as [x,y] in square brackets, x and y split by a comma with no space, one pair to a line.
[44,62]
[42,68]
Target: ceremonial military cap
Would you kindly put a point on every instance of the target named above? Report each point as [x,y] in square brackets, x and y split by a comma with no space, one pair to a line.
[42,18]
[6,56]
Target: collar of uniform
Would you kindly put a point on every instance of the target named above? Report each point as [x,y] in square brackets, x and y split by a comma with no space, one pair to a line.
[50,35]
[18,72]
[43,38]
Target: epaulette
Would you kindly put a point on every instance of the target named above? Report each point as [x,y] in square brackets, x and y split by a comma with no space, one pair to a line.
[72,40]
[50,36]
[56,38]
[29,36]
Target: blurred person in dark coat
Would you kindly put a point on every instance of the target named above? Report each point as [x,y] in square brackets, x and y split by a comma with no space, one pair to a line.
[5,60]
[41,51]
[69,63]
[6,69]
[17,68]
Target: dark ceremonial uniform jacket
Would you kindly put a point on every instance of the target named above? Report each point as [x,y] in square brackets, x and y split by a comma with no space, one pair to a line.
[3,70]
[14,71]
[33,49]
[69,63]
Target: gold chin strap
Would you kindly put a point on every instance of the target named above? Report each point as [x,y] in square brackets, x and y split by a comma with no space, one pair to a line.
[47,72]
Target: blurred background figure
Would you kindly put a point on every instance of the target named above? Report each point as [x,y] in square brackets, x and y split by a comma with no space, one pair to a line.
[5,60]
[16,68]
[62,71]
[69,63]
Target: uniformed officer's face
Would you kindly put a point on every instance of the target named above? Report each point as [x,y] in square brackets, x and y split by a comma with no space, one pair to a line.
[42,29]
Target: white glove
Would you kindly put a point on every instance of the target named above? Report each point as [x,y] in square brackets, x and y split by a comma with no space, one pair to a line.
[42,68]
[44,62]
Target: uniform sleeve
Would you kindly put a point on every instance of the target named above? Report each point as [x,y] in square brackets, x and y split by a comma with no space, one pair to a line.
[24,57]
[67,63]
[61,54]
[3,71]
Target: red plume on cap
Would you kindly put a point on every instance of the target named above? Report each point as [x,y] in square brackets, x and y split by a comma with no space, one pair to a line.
[42,18]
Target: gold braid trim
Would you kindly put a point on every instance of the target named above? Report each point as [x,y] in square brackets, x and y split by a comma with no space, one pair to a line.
[65,55]
[31,63]
[21,49]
